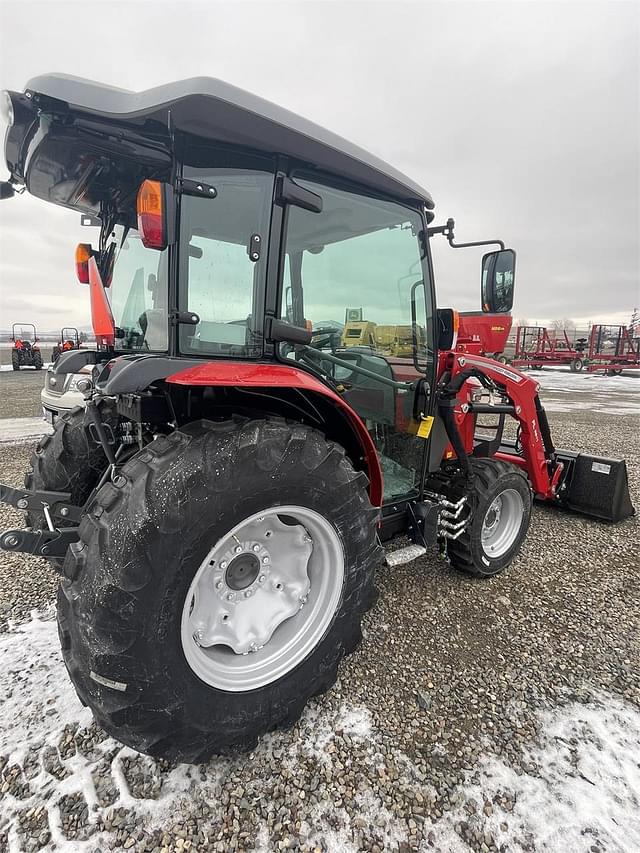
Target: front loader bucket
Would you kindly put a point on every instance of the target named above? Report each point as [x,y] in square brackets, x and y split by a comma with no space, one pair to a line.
[595,486]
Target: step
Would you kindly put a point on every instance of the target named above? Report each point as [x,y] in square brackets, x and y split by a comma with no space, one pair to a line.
[404,555]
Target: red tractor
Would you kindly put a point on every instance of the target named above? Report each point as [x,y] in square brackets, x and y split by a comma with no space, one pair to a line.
[69,339]
[217,507]
[25,351]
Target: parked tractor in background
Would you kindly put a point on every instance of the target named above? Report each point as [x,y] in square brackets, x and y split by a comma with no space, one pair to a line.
[66,343]
[216,509]
[25,351]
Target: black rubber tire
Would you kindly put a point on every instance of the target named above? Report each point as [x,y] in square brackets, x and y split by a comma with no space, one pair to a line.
[491,477]
[15,359]
[121,599]
[68,460]
[37,360]
[55,354]
[576,365]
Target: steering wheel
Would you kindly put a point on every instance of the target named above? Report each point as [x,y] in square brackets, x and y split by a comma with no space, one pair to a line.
[329,339]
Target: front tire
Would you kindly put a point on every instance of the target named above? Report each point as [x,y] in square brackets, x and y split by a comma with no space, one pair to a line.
[144,611]
[501,502]
[15,359]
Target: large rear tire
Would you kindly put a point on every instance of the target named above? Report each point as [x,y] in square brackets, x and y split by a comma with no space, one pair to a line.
[37,360]
[68,460]
[501,501]
[15,359]
[166,608]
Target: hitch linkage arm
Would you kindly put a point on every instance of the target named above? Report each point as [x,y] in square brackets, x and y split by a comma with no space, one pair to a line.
[52,542]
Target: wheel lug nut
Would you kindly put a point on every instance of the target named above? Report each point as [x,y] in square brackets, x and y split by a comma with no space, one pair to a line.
[223,564]
[262,578]
[256,547]
[231,596]
[248,593]
[238,549]
[265,559]
[219,585]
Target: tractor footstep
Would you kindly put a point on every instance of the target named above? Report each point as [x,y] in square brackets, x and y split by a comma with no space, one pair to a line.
[405,555]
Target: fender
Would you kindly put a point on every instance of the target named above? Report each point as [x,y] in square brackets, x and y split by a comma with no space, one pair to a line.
[243,374]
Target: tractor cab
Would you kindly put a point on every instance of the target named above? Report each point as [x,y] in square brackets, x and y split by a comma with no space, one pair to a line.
[274,392]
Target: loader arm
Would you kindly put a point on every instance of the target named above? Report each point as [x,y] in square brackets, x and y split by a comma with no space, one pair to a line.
[591,485]
[537,457]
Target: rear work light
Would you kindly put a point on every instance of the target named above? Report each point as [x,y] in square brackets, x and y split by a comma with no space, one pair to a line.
[151,209]
[83,253]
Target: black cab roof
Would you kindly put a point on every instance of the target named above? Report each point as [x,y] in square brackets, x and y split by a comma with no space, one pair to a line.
[216,111]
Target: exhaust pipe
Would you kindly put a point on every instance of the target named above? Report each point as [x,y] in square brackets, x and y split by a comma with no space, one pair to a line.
[595,486]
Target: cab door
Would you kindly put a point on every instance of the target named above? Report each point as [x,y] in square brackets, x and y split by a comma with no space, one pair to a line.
[356,273]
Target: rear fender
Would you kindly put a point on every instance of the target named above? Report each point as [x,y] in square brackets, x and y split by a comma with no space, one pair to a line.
[270,378]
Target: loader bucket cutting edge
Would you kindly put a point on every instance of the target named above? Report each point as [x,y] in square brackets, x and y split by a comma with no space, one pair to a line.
[595,486]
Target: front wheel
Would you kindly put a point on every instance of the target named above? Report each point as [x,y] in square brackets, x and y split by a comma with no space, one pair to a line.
[576,365]
[217,585]
[501,501]
[15,359]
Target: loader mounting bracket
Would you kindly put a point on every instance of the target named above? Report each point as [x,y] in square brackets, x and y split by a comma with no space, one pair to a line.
[57,503]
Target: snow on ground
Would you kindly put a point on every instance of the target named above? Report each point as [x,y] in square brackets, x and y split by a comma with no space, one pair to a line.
[581,791]
[563,391]
[584,791]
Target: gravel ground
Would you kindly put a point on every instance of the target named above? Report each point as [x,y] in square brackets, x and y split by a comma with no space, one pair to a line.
[437,725]
[20,393]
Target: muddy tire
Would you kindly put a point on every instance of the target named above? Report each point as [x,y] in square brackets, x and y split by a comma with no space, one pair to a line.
[37,360]
[147,547]
[501,499]
[15,359]
[68,460]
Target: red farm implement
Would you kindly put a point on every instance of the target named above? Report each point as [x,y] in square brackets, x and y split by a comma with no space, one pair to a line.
[612,348]
[484,334]
[538,347]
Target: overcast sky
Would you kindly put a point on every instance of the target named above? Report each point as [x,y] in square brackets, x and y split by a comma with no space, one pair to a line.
[521,118]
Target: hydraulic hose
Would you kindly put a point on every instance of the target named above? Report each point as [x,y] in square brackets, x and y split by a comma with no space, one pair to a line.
[545,430]
[446,405]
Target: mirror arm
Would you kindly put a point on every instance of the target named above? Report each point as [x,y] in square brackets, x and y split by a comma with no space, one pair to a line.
[447,230]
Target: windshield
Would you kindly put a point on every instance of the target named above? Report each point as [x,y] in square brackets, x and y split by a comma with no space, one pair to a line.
[138,293]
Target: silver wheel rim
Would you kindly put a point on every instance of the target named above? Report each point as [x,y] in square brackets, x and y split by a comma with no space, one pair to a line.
[502,523]
[263,598]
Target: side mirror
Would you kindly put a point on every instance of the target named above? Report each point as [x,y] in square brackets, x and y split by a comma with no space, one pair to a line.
[447,321]
[498,281]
